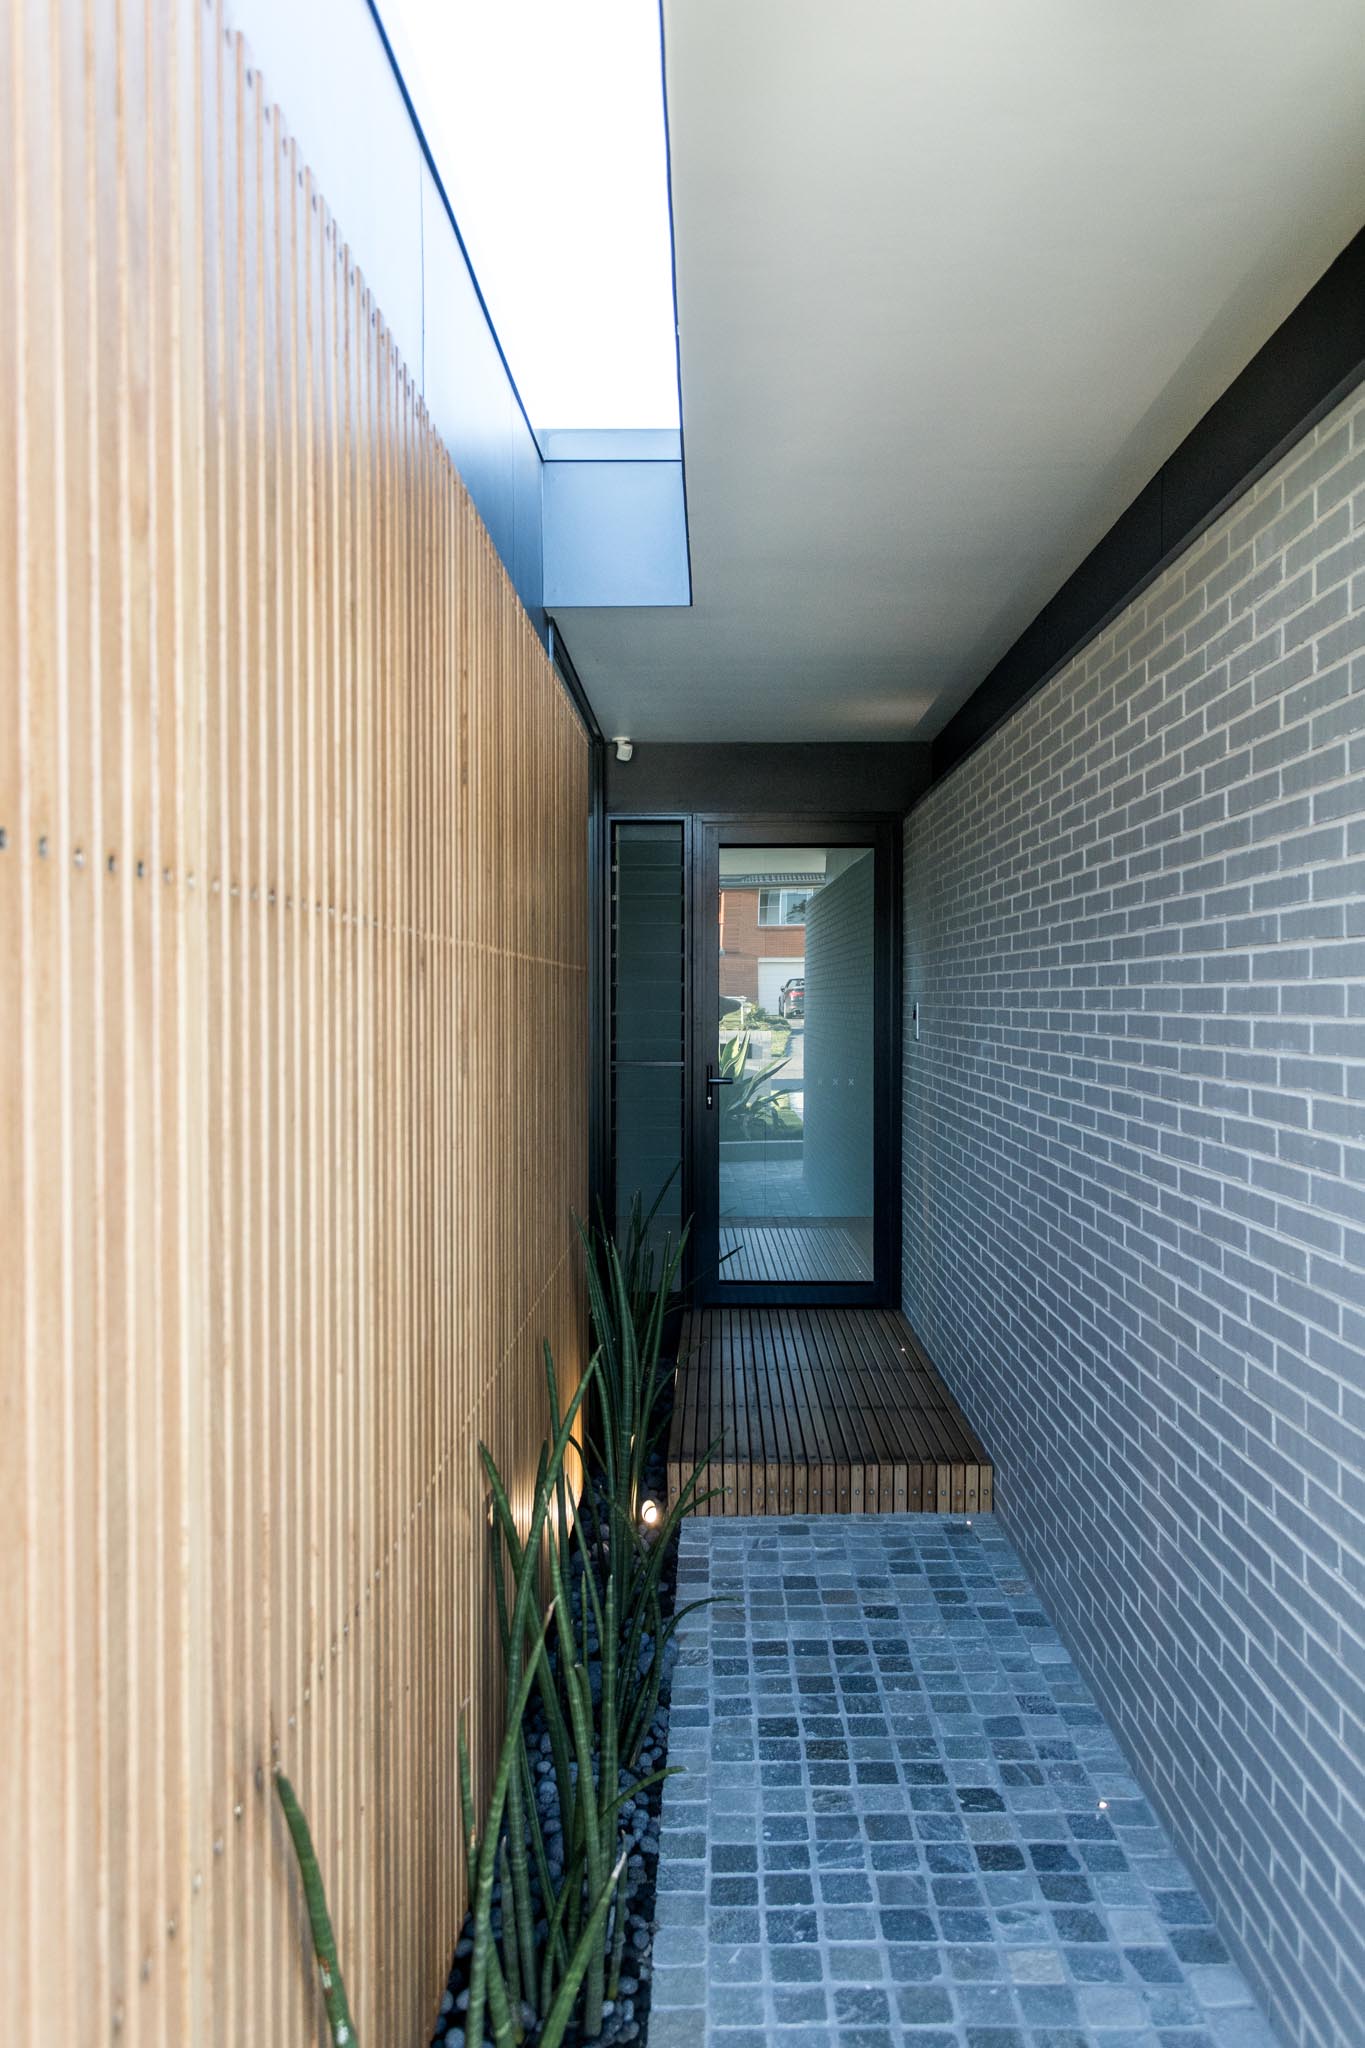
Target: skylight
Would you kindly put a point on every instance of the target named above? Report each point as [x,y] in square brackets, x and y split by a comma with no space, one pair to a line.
[545,118]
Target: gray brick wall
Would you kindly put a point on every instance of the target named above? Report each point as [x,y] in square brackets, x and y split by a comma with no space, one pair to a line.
[1135,1190]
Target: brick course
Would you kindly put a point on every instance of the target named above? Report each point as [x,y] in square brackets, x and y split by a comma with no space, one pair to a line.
[1135,1190]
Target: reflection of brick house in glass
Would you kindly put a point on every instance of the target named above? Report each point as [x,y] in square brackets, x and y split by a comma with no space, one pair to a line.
[762,929]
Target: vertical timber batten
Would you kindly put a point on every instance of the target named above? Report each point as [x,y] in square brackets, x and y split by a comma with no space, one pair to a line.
[293,1035]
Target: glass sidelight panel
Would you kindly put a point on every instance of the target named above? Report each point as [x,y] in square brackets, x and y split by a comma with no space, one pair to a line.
[792,1082]
[648,1021]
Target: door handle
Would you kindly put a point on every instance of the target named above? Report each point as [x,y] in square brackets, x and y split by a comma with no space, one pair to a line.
[716,1081]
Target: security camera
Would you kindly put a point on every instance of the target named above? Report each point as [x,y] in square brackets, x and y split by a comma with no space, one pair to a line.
[624,747]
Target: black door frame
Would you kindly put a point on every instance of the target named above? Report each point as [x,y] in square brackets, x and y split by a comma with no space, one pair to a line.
[882,833]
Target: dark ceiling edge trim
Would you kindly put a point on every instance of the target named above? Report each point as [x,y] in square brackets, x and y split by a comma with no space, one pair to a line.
[573,682]
[1311,361]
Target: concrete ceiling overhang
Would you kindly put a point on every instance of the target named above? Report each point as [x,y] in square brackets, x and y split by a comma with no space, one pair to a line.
[954,279]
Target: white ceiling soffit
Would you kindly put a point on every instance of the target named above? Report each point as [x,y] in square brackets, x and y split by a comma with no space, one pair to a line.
[954,279]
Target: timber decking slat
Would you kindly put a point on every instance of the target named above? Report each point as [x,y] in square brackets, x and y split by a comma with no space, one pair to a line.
[734,1419]
[836,1488]
[957,1439]
[848,1497]
[683,1433]
[870,1447]
[694,1390]
[818,1446]
[820,1411]
[885,1393]
[718,1423]
[791,1441]
[740,1428]
[748,1423]
[778,1431]
[943,1435]
[766,1420]
[791,1251]
[874,1447]
[770,1413]
[802,1442]
[695,1443]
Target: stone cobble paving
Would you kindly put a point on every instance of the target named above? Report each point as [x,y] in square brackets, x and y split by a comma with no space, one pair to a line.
[903,1822]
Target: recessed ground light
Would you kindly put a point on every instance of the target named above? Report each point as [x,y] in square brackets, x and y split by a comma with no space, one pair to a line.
[649,1513]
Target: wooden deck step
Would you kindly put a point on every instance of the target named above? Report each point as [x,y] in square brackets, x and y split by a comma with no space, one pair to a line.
[819,1411]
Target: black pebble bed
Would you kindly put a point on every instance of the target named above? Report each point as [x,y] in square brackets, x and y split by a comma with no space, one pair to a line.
[625,2017]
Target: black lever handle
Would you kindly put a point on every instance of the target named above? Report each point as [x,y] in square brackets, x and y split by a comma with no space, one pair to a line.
[714,1080]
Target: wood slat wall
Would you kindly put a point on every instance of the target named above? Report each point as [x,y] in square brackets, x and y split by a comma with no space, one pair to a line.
[292,1058]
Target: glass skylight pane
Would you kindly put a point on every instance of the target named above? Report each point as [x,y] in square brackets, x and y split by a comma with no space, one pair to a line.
[545,118]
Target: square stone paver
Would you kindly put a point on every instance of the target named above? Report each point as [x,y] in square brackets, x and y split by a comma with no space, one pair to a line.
[903,1821]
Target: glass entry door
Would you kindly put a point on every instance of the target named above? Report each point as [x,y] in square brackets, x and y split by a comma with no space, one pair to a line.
[792,1049]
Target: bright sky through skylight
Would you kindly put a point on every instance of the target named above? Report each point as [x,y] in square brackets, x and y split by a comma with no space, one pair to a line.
[545,118]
